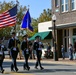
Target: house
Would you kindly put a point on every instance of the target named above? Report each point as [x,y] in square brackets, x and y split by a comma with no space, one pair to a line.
[65,11]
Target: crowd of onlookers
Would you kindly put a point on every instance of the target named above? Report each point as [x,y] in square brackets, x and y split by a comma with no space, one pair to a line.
[71,51]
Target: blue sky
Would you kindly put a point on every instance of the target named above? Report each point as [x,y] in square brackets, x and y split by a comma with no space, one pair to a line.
[36,6]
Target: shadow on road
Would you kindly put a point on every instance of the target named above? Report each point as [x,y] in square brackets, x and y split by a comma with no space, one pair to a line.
[8,64]
[20,64]
[48,70]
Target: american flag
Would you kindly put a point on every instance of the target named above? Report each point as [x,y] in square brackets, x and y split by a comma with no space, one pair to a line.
[8,18]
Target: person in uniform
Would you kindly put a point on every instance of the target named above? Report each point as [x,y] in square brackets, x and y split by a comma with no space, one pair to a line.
[38,47]
[12,45]
[26,51]
[2,55]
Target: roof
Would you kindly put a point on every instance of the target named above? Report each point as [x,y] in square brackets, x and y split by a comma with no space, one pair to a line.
[64,26]
[43,35]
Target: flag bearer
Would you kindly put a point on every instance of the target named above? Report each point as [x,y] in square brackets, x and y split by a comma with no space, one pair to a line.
[26,51]
[12,45]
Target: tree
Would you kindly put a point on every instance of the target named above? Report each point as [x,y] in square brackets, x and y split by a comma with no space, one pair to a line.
[45,16]
[6,6]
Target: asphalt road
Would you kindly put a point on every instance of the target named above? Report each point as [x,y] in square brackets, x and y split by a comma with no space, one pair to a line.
[49,69]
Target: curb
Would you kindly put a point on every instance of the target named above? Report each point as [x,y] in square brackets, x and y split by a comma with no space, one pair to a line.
[48,61]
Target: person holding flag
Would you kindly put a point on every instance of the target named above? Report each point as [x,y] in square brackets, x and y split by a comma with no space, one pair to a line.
[12,45]
[25,46]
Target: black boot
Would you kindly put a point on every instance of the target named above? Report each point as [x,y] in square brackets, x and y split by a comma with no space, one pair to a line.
[2,71]
[41,68]
[36,67]
[24,67]
[28,68]
[12,67]
[16,69]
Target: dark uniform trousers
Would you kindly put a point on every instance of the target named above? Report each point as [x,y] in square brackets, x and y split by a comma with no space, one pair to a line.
[26,56]
[1,62]
[14,57]
[2,56]
[13,53]
[26,52]
[38,52]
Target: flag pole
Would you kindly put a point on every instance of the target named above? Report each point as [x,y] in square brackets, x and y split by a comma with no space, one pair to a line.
[17,9]
[27,21]
[27,29]
[16,22]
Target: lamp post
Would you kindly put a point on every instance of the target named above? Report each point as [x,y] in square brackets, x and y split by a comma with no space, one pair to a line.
[54,38]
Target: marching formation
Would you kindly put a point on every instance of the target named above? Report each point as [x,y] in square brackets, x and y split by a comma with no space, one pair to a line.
[25,48]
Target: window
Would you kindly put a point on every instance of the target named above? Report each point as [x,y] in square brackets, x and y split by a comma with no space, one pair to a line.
[64,5]
[56,3]
[66,38]
[73,4]
[74,31]
[65,33]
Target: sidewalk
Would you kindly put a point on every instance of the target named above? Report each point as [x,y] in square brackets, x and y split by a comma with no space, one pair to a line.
[49,61]
[60,61]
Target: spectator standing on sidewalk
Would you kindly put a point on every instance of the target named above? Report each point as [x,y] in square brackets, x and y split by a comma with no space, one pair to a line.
[49,47]
[63,51]
[48,52]
[74,50]
[70,52]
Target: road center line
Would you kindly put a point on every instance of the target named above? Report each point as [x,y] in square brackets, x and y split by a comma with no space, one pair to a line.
[13,73]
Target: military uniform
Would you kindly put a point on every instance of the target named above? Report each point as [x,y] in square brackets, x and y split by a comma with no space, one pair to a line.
[12,45]
[26,52]
[38,47]
[2,56]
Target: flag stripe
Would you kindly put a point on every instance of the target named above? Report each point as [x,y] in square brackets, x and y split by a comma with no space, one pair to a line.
[8,18]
